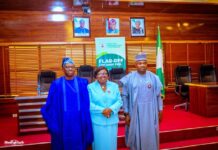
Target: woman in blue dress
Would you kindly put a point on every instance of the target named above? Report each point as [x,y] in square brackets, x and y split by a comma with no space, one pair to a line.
[105,103]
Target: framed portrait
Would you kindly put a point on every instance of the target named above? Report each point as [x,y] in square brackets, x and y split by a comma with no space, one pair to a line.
[81,27]
[80,2]
[137,27]
[112,26]
[77,2]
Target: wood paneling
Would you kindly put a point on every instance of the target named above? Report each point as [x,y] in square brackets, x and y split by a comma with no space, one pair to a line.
[203,99]
[192,54]
[48,57]
[188,31]
[4,71]
[32,5]
[196,57]
[215,60]
[102,5]
[26,61]
[37,26]
[8,106]
[178,52]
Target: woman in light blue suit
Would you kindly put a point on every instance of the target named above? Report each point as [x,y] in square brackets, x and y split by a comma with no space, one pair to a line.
[105,103]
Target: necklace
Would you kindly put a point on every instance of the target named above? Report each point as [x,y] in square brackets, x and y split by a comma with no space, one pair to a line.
[103,87]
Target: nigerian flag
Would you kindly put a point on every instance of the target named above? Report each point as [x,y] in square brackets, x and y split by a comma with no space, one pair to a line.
[159,61]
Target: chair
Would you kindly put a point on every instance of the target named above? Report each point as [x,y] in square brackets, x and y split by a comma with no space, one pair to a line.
[86,71]
[116,74]
[207,73]
[182,76]
[45,79]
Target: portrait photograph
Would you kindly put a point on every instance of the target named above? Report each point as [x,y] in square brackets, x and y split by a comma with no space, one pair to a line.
[112,26]
[77,2]
[80,2]
[137,26]
[81,27]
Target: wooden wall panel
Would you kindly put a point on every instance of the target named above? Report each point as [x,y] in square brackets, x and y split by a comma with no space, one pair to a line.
[90,55]
[37,26]
[102,5]
[179,53]
[196,52]
[49,57]
[1,71]
[183,27]
[26,61]
[168,72]
[210,57]
[192,54]
[196,56]
[215,51]
[4,71]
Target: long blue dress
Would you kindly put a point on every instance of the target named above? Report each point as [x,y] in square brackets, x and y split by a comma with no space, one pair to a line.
[105,129]
[142,100]
[67,114]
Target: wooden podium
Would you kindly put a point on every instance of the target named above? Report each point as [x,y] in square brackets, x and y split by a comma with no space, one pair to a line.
[204,98]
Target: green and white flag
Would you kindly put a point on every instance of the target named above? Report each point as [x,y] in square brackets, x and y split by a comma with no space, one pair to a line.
[159,62]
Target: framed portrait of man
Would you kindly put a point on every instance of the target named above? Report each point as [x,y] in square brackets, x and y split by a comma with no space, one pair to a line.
[77,2]
[137,26]
[81,27]
[80,2]
[112,26]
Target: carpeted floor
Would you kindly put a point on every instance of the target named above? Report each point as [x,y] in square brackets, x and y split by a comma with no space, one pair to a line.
[172,120]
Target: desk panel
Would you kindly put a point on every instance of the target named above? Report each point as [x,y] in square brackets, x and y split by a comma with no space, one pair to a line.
[204,99]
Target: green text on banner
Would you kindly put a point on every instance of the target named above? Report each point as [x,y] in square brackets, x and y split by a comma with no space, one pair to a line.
[111,52]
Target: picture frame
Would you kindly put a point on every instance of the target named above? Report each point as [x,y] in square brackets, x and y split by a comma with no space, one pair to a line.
[137,27]
[77,2]
[80,2]
[112,26]
[81,27]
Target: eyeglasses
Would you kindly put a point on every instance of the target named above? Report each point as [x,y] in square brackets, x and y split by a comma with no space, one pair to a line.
[102,74]
[69,67]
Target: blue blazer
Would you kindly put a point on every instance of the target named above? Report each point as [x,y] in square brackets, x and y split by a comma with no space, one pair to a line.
[99,100]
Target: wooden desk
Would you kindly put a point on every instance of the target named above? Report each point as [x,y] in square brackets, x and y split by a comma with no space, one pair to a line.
[29,116]
[204,98]
[8,105]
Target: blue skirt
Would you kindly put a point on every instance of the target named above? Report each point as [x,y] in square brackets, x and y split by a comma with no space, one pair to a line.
[105,137]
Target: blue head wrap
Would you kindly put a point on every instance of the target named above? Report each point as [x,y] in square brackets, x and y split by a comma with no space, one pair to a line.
[67,60]
[140,56]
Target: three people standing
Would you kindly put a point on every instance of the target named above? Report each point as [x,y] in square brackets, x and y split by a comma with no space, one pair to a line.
[78,114]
